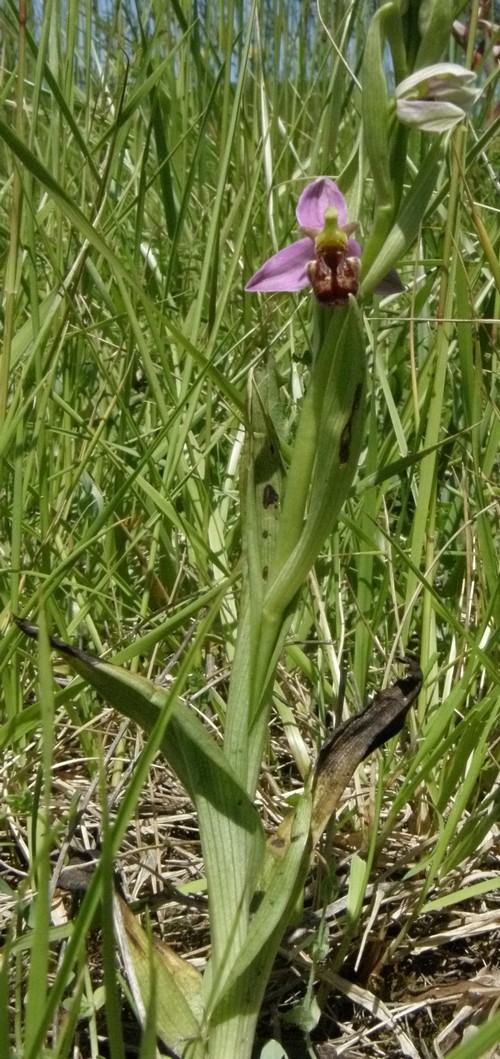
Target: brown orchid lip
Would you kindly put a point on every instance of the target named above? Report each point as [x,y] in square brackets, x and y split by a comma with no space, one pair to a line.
[334,276]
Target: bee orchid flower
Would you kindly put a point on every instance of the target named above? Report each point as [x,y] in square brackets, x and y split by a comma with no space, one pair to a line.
[436,98]
[326,258]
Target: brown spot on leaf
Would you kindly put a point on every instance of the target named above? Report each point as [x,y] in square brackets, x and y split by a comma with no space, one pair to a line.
[277,842]
[270,497]
[345,439]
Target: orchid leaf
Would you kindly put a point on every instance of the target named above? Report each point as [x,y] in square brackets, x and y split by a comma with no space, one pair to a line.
[190,750]
[242,986]
[405,230]
[335,446]
[376,111]
[435,22]
[230,826]
[283,884]
[261,487]
[261,499]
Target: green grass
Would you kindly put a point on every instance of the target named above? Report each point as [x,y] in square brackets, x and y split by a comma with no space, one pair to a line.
[151,160]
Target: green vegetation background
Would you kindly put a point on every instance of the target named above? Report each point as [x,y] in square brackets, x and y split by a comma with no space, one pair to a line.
[151,160]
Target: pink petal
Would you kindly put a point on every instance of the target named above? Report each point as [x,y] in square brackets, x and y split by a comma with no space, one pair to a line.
[353,248]
[390,284]
[286,270]
[315,199]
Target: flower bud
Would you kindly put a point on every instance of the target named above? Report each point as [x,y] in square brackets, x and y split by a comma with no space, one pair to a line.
[435,98]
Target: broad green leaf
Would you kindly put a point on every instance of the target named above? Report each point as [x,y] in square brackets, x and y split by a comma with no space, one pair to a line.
[328,459]
[230,827]
[283,885]
[261,485]
[407,225]
[235,995]
[376,111]
[261,497]
[191,751]
[435,21]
